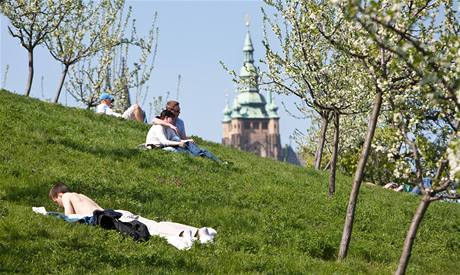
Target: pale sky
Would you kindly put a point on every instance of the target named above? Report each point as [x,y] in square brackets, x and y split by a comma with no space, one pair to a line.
[194,37]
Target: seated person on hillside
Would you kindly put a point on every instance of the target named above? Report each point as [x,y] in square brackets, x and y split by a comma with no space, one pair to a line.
[134,112]
[178,124]
[82,208]
[161,136]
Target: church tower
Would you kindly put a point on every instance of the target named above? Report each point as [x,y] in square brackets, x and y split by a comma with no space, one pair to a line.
[252,123]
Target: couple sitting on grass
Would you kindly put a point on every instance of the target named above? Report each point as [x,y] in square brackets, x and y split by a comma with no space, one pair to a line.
[78,207]
[168,133]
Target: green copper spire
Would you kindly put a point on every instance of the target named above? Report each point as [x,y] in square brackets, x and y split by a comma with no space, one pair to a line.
[248,49]
[249,72]
[249,103]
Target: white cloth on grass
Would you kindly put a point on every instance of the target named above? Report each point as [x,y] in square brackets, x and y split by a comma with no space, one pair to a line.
[42,210]
[179,235]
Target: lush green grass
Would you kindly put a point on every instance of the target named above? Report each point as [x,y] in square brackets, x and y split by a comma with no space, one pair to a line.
[270,217]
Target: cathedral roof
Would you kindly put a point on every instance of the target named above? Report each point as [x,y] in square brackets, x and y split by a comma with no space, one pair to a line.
[249,103]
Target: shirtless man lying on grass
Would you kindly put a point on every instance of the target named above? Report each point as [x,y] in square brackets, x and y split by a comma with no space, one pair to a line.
[180,235]
[73,203]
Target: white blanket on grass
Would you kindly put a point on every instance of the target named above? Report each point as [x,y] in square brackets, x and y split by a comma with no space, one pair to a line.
[179,235]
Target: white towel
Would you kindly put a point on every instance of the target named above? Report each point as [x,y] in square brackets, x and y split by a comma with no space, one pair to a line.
[179,235]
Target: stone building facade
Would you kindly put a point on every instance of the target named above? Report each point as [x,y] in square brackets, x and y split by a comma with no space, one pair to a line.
[251,123]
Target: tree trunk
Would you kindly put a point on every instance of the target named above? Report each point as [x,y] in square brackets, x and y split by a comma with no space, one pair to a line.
[64,74]
[416,220]
[410,237]
[348,226]
[334,155]
[31,72]
[322,140]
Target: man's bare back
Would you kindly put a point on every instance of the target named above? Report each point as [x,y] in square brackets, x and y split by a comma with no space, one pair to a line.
[75,203]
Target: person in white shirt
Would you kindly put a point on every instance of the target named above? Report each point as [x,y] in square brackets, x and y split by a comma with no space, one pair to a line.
[134,112]
[178,124]
[163,136]
[160,136]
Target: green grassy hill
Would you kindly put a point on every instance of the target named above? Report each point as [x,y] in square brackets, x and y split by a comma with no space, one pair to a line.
[271,217]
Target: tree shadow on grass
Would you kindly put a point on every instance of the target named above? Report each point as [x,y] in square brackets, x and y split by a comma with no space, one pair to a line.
[30,194]
[116,153]
[146,162]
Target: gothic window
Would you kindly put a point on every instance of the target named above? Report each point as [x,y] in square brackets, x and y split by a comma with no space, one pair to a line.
[255,125]
[246,125]
[265,125]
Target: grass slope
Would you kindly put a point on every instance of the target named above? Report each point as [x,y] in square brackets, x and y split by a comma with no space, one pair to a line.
[271,217]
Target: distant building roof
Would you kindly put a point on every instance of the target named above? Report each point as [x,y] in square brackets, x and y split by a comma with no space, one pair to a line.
[249,103]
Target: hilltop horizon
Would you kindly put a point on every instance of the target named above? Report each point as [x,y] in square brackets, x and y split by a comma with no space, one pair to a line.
[214,32]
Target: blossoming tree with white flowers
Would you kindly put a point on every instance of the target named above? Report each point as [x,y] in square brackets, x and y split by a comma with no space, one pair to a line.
[388,73]
[109,69]
[83,32]
[310,68]
[412,62]
[428,42]
[31,22]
